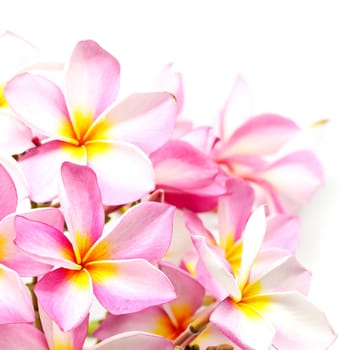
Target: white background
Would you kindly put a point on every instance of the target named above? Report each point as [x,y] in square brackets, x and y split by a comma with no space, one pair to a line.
[295,56]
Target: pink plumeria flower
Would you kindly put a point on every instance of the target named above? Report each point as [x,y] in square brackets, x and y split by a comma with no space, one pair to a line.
[116,267]
[15,52]
[86,126]
[267,308]
[254,149]
[227,227]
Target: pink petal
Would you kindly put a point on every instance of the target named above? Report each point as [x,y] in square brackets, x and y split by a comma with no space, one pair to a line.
[73,289]
[243,325]
[299,323]
[143,232]
[44,243]
[47,159]
[15,137]
[121,286]
[202,138]
[146,120]
[294,178]
[213,271]
[129,179]
[237,108]
[234,210]
[282,232]
[57,339]
[261,135]
[8,197]
[82,206]
[189,293]
[92,84]
[252,237]
[15,299]
[17,176]
[211,335]
[289,270]
[153,320]
[171,80]
[21,336]
[17,259]
[179,165]
[40,104]
[135,340]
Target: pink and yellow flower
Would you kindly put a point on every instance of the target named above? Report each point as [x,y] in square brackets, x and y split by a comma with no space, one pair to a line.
[84,125]
[116,267]
[266,307]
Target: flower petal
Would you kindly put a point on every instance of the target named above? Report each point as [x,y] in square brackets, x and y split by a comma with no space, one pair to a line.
[17,176]
[261,135]
[40,104]
[179,165]
[234,210]
[143,232]
[44,243]
[15,300]
[82,206]
[15,137]
[299,324]
[92,84]
[8,197]
[153,320]
[282,232]
[17,259]
[57,339]
[146,120]
[47,159]
[135,340]
[189,293]
[121,286]
[21,336]
[73,289]
[213,271]
[289,270]
[294,178]
[253,237]
[171,80]
[243,325]
[237,108]
[15,52]
[131,176]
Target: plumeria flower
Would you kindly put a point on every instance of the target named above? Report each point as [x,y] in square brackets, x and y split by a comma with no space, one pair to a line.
[116,267]
[265,308]
[86,126]
[254,148]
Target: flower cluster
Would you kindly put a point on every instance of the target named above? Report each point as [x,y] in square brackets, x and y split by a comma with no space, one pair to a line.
[185,235]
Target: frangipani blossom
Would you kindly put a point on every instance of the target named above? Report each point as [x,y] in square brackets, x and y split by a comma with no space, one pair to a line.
[86,126]
[116,267]
[265,308]
[255,151]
